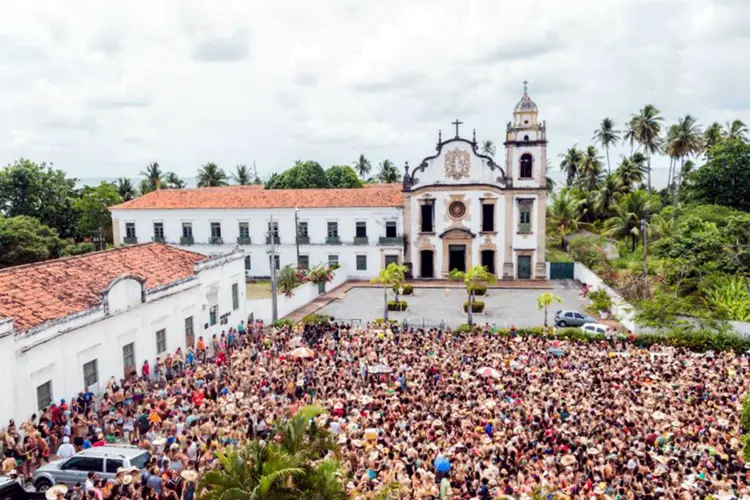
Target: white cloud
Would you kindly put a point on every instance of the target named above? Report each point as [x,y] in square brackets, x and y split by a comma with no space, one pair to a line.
[102,89]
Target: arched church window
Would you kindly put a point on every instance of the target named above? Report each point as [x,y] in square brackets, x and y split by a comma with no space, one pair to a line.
[526,171]
[526,138]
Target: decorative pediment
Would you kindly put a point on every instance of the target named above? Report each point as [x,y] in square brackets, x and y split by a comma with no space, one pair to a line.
[457,233]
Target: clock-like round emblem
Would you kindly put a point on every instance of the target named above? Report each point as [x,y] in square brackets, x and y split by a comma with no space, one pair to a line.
[457,209]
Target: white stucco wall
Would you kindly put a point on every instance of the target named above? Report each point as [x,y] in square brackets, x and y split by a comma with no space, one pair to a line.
[56,352]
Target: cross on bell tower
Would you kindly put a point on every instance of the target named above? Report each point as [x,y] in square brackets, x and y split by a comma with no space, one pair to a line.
[457,123]
[525,86]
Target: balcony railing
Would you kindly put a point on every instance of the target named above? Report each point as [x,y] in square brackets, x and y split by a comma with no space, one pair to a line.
[390,240]
[361,240]
[303,240]
[276,239]
[243,240]
[158,239]
[333,240]
[216,240]
[186,240]
[524,227]
[130,240]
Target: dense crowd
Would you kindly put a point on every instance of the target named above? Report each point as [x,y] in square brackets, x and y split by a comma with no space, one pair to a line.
[504,416]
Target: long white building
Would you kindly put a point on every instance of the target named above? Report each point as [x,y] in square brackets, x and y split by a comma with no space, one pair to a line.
[73,323]
[454,209]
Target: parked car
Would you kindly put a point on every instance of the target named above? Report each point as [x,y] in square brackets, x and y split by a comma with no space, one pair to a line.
[11,490]
[104,460]
[572,318]
[597,328]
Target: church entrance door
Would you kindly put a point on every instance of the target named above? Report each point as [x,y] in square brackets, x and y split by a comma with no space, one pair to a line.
[457,257]
[524,267]
[427,264]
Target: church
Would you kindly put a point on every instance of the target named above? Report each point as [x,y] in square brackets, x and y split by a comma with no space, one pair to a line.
[455,209]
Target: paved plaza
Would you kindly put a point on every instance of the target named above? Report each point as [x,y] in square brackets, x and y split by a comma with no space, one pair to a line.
[504,307]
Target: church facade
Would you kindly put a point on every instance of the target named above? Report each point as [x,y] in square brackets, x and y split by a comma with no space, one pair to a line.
[455,209]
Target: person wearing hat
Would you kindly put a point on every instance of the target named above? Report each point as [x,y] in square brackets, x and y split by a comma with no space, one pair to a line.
[56,492]
[66,450]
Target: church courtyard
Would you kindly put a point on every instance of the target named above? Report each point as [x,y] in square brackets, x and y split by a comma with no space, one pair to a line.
[503,306]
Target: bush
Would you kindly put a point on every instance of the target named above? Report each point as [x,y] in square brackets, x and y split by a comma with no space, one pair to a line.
[408,289]
[283,323]
[477,306]
[587,250]
[380,322]
[397,306]
[478,289]
[316,319]
[463,328]
[600,300]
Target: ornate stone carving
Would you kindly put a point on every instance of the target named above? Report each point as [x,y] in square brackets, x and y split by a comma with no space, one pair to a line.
[457,163]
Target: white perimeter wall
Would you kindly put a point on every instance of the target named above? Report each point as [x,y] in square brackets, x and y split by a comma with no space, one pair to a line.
[624,312]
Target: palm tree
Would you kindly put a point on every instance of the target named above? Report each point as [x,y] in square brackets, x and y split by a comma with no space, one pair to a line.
[661,226]
[393,275]
[685,140]
[125,189]
[388,172]
[488,148]
[607,136]
[173,181]
[545,300]
[629,212]
[563,212]
[241,175]
[210,175]
[297,436]
[477,275]
[608,194]
[590,170]
[737,130]
[630,135]
[571,161]
[631,171]
[647,128]
[153,178]
[550,184]
[712,136]
[362,166]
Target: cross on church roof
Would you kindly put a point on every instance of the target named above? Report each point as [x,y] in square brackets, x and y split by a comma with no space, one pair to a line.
[525,85]
[457,123]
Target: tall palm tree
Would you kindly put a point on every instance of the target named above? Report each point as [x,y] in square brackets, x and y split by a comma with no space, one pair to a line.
[125,189]
[550,184]
[488,148]
[671,151]
[629,135]
[172,181]
[737,130]
[608,195]
[686,140]
[362,166]
[154,178]
[242,176]
[388,172]
[563,213]
[712,136]
[210,175]
[632,208]
[477,275]
[631,171]
[390,277]
[546,300]
[647,128]
[590,170]
[607,136]
[571,161]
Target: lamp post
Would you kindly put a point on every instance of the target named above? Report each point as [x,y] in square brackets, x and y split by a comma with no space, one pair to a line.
[272,260]
[296,233]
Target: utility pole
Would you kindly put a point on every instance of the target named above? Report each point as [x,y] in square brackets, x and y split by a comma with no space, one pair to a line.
[272,260]
[296,233]
[645,259]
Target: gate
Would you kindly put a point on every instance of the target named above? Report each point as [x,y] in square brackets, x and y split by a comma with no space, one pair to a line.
[561,270]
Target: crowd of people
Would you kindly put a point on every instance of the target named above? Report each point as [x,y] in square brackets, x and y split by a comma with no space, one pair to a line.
[463,416]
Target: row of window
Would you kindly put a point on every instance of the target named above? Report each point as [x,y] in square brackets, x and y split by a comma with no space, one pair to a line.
[333,260]
[457,210]
[391,230]
[91,368]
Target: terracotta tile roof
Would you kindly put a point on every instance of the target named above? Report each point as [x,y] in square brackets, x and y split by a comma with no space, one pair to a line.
[36,293]
[378,195]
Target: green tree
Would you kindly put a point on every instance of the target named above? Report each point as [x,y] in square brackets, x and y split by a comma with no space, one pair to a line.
[647,128]
[24,240]
[362,166]
[590,170]
[92,210]
[393,275]
[608,194]
[563,213]
[736,129]
[242,176]
[544,301]
[712,136]
[570,164]
[37,190]
[154,178]
[631,171]
[629,135]
[388,172]
[342,177]
[210,175]
[125,189]
[488,148]
[632,208]
[288,279]
[607,136]
[303,175]
[474,276]
[684,140]
[725,178]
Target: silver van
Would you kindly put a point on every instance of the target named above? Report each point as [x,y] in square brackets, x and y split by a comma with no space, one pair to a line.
[104,460]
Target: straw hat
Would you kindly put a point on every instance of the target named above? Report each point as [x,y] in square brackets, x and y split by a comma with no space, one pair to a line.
[568,460]
[189,475]
[127,480]
[160,441]
[55,490]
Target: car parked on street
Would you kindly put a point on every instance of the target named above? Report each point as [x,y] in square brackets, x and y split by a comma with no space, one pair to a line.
[596,328]
[104,460]
[572,318]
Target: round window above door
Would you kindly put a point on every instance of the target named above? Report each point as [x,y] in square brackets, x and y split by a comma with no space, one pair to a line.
[457,209]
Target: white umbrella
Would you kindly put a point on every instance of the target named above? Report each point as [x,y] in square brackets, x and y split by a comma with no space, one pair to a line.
[486,371]
[380,368]
[302,352]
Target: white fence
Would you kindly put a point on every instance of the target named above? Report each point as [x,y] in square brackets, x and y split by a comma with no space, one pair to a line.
[302,295]
[620,308]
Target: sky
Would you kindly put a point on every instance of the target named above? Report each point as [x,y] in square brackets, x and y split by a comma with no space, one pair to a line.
[100,89]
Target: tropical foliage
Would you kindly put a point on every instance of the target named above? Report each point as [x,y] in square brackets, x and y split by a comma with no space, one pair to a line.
[545,300]
[210,175]
[392,277]
[472,278]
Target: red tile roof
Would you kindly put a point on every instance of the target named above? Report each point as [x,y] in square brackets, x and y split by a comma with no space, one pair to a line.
[377,195]
[36,293]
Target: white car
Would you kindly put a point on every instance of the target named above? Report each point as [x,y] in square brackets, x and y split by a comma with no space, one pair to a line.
[596,328]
